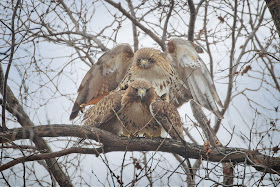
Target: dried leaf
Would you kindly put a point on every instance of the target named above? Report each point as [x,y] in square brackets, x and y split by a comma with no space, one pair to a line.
[206,148]
[247,68]
[275,149]
[200,33]
[221,19]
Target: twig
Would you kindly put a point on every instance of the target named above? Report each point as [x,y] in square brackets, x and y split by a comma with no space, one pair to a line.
[137,23]
[192,20]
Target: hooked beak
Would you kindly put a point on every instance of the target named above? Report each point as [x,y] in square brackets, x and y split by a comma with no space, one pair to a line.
[144,63]
[141,92]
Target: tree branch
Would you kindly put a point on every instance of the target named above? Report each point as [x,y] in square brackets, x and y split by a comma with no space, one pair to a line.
[49,155]
[9,66]
[134,28]
[214,141]
[164,37]
[77,28]
[112,143]
[274,8]
[192,20]
[137,23]
[24,121]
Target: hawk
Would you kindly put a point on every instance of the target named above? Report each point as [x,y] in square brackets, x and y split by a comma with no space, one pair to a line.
[103,77]
[154,66]
[179,73]
[136,111]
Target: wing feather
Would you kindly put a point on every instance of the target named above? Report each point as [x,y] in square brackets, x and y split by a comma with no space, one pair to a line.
[194,73]
[103,77]
[103,114]
[168,117]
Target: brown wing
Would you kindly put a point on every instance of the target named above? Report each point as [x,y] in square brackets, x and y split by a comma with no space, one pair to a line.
[194,73]
[168,117]
[103,114]
[103,77]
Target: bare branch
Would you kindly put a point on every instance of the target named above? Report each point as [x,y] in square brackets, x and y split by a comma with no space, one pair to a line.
[9,66]
[167,21]
[134,28]
[192,20]
[137,23]
[114,143]
[41,145]
[50,155]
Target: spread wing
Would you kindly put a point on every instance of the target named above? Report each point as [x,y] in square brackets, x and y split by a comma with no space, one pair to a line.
[194,73]
[103,77]
[168,117]
[103,114]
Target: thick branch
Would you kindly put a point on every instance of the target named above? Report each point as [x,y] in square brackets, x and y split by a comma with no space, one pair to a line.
[274,8]
[111,143]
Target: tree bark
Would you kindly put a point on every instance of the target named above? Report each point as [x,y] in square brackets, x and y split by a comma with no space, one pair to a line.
[112,143]
[274,8]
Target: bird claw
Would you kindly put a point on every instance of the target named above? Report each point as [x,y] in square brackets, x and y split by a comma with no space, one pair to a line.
[148,135]
[129,135]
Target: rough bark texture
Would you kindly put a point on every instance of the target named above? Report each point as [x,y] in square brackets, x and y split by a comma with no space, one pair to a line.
[111,143]
[274,8]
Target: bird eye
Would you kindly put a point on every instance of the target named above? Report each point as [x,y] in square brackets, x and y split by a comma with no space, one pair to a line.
[150,60]
[138,60]
[136,89]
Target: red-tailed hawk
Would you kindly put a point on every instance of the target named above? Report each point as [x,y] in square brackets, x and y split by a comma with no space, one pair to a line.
[138,110]
[154,66]
[179,73]
[103,77]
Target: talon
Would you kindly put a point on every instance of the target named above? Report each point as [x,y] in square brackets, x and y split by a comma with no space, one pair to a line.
[147,135]
[125,135]
[134,135]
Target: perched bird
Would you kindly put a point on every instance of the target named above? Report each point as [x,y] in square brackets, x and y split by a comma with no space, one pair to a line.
[178,73]
[136,111]
[103,77]
[154,66]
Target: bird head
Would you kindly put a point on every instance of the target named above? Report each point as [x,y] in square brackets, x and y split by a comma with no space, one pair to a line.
[144,58]
[141,91]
